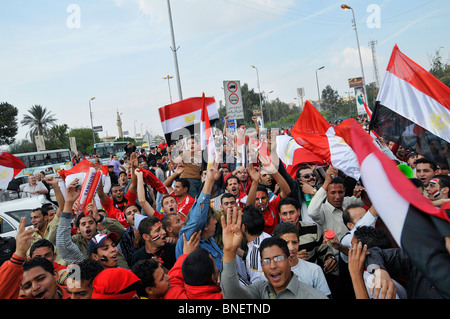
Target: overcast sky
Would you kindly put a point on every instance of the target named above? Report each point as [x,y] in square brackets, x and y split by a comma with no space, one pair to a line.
[60,54]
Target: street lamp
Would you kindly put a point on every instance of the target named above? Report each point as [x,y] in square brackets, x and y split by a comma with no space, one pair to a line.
[268,109]
[317,81]
[175,49]
[260,100]
[346,7]
[92,125]
[168,77]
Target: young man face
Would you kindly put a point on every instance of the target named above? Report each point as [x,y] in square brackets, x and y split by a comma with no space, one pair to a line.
[289,214]
[242,175]
[292,242]
[227,202]
[435,191]
[424,172]
[175,225]
[335,195]
[356,213]
[266,179]
[88,227]
[37,283]
[129,214]
[233,186]
[262,200]
[45,252]
[169,205]
[162,284]
[38,220]
[107,254]
[117,194]
[80,290]
[278,272]
[179,190]
[157,236]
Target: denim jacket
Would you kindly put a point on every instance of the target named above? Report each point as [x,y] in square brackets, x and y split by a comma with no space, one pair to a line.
[197,218]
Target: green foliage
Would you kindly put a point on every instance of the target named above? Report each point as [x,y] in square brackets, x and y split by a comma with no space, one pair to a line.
[8,123]
[22,146]
[440,69]
[57,137]
[39,120]
[83,137]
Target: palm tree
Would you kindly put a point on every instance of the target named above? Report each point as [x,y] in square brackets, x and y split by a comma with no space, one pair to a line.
[39,121]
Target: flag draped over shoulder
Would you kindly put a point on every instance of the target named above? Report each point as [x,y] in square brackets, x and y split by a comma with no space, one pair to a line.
[313,132]
[10,166]
[415,223]
[181,118]
[294,156]
[206,136]
[413,109]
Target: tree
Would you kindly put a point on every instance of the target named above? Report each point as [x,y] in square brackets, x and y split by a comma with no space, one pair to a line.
[22,146]
[330,100]
[83,136]
[57,137]
[439,69]
[39,120]
[8,123]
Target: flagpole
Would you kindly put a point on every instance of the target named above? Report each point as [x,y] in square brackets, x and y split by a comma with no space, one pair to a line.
[260,100]
[175,49]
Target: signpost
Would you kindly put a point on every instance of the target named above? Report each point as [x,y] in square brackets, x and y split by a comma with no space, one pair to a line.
[233,99]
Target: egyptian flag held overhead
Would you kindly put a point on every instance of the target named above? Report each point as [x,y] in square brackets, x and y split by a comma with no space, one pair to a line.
[415,223]
[206,137]
[413,109]
[10,166]
[313,132]
[183,118]
[294,156]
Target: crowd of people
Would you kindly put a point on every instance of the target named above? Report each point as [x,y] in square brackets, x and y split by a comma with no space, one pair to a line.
[236,226]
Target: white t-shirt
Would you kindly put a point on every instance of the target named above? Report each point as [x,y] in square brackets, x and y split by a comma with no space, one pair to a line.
[311,274]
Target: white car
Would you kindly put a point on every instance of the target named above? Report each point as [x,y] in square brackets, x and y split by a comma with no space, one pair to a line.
[12,211]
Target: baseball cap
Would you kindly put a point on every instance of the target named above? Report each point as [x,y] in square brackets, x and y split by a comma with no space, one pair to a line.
[99,240]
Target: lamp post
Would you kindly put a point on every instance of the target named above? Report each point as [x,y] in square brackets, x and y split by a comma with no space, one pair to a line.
[174,49]
[260,100]
[168,77]
[346,7]
[92,124]
[317,81]
[268,109]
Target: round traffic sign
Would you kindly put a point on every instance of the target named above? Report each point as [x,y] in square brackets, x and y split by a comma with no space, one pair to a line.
[233,98]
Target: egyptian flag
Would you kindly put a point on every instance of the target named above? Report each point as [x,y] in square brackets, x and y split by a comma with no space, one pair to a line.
[413,109]
[415,223]
[315,134]
[183,118]
[294,156]
[155,182]
[206,137]
[10,166]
